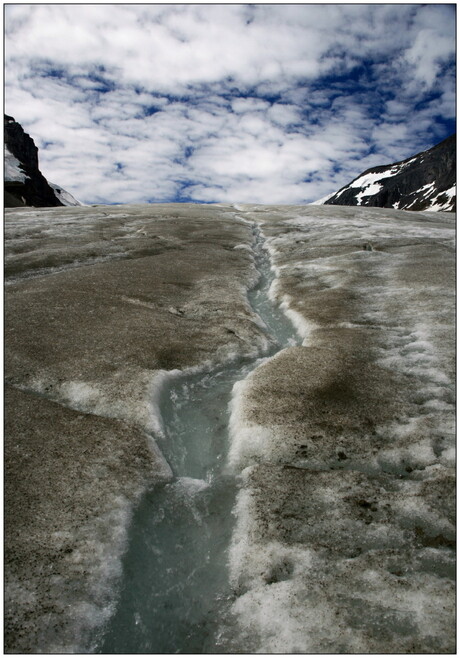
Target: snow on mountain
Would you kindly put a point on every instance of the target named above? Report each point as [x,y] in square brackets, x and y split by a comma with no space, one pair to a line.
[323,200]
[426,181]
[13,172]
[65,197]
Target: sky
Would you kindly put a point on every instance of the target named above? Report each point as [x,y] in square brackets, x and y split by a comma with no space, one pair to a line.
[244,103]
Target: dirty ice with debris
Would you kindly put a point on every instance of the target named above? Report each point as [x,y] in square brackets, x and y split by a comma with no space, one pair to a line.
[229,429]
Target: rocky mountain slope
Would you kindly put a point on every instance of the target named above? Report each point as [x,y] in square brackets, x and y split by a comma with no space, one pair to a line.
[24,183]
[426,181]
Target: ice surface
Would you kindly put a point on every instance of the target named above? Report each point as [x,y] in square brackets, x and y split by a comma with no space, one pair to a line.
[248,442]
[69,538]
[345,519]
[303,326]
[343,444]
[192,405]
[106,306]
[345,585]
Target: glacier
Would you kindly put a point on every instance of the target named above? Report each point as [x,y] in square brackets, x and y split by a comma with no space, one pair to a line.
[344,541]
[332,526]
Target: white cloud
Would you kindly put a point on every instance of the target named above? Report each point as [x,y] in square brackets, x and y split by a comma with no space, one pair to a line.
[269,103]
[432,43]
[243,105]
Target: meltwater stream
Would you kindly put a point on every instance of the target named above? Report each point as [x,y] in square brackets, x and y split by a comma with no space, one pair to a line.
[175,595]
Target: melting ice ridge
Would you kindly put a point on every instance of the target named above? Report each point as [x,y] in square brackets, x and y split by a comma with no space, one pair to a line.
[175,594]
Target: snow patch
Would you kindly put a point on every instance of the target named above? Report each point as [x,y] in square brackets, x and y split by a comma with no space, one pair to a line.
[64,197]
[437,205]
[13,172]
[368,191]
[372,178]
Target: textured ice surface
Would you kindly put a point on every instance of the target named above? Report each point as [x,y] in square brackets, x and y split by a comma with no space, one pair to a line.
[102,305]
[180,549]
[344,444]
[70,482]
[345,520]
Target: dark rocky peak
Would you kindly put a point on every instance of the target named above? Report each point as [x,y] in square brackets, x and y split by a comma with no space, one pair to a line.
[426,181]
[20,144]
[24,183]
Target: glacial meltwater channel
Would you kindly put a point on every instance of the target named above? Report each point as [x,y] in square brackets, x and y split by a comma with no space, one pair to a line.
[174,596]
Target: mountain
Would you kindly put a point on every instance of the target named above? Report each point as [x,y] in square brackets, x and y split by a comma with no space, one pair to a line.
[24,183]
[426,181]
[64,197]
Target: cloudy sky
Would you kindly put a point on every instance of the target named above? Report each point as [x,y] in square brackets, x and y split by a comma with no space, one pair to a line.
[227,103]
